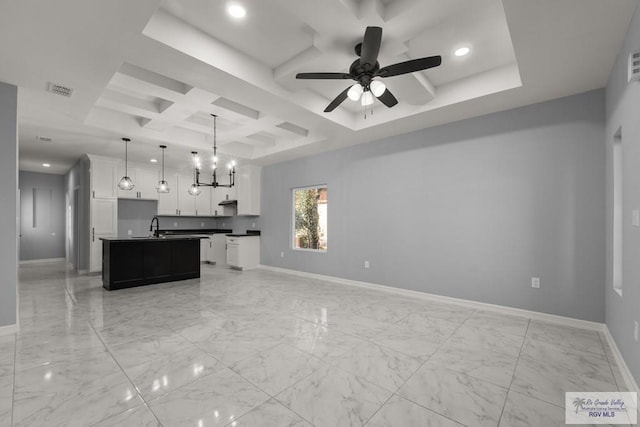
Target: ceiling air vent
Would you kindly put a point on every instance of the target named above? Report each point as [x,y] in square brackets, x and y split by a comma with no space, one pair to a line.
[60,90]
[44,139]
[634,66]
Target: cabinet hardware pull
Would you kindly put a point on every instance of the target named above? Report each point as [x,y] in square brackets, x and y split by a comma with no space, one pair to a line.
[93,234]
[94,194]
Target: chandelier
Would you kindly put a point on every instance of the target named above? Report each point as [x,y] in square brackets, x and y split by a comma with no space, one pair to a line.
[197,166]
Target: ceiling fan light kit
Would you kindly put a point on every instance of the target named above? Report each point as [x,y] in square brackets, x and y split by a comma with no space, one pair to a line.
[366,68]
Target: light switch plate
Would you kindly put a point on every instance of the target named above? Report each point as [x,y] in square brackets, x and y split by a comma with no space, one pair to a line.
[535,282]
[635,218]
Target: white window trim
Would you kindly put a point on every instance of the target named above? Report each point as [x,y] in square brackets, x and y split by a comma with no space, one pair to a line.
[293,219]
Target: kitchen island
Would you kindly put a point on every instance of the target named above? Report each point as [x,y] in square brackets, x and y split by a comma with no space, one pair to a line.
[144,261]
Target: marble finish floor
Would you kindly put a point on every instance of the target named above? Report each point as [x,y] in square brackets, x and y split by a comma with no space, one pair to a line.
[259,348]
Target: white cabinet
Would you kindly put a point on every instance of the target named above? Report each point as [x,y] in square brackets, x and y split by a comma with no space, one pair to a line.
[168,202]
[147,181]
[144,180]
[204,249]
[203,202]
[104,223]
[243,253]
[186,202]
[103,206]
[248,192]
[103,177]
[218,195]
[217,253]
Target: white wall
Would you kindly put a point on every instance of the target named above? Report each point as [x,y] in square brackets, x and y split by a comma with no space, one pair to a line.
[623,110]
[472,209]
[9,202]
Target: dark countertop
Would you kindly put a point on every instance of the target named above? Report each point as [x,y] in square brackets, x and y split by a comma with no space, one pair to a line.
[146,239]
[249,233]
[182,231]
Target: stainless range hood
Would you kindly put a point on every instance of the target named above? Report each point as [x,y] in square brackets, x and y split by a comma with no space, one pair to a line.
[228,203]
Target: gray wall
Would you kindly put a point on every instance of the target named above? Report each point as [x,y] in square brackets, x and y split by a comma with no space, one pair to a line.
[186,222]
[472,209]
[42,216]
[135,216]
[623,105]
[9,204]
[77,241]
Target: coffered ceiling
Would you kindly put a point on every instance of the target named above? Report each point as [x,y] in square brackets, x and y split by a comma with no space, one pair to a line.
[155,70]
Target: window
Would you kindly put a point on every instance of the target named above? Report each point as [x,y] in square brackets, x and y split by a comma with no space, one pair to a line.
[310,218]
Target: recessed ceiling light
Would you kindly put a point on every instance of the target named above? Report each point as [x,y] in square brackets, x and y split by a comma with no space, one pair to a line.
[236,10]
[462,51]
[46,165]
[154,160]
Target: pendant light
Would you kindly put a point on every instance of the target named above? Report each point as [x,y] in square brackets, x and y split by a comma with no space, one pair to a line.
[214,166]
[126,183]
[194,190]
[163,186]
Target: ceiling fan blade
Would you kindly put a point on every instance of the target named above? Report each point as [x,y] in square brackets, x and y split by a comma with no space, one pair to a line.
[324,76]
[339,100]
[388,99]
[370,47]
[410,66]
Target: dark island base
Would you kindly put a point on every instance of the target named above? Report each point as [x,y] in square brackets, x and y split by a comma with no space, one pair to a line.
[130,263]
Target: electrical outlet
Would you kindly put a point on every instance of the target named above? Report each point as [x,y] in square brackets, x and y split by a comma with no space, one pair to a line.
[129,232]
[224,224]
[175,224]
[635,330]
[281,254]
[202,224]
[535,282]
[635,218]
[253,225]
[366,264]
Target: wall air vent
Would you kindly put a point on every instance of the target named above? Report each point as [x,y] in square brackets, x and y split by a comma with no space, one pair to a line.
[43,139]
[634,66]
[60,90]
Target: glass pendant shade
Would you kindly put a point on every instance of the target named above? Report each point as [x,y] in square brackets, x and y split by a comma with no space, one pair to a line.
[367,99]
[194,190]
[126,183]
[163,186]
[354,92]
[378,88]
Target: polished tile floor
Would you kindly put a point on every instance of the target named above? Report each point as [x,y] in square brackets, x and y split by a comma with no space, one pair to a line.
[259,348]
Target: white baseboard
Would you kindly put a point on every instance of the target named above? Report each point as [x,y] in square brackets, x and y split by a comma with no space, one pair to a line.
[624,369]
[551,318]
[42,261]
[8,330]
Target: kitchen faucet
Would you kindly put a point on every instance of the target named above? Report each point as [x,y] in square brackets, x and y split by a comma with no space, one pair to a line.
[157,232]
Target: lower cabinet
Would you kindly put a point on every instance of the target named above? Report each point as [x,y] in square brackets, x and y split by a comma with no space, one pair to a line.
[243,252]
[217,250]
[129,263]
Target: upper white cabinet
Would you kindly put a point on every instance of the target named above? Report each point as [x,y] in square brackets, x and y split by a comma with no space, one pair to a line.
[168,202]
[248,191]
[219,194]
[203,202]
[145,181]
[103,177]
[186,202]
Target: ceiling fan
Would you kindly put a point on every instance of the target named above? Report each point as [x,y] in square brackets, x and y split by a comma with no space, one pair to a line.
[366,68]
